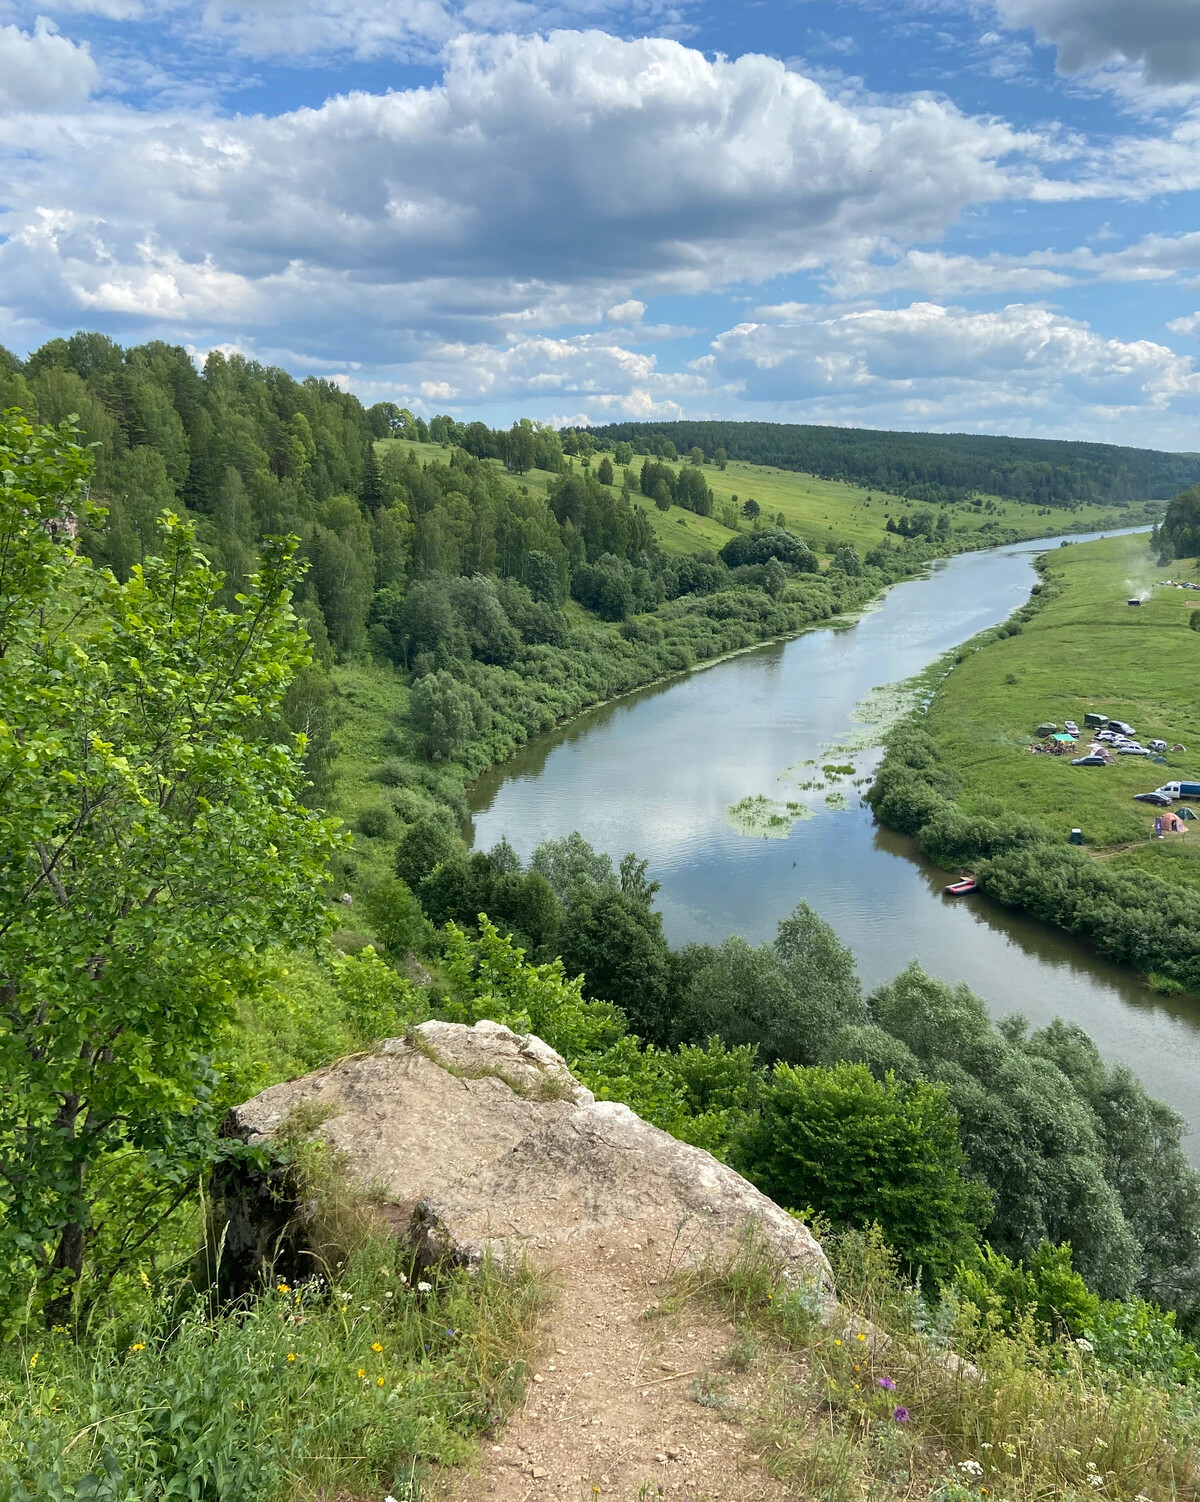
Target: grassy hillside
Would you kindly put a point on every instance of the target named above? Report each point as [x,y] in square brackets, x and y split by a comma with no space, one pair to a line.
[824,512]
[1087,650]
[935,466]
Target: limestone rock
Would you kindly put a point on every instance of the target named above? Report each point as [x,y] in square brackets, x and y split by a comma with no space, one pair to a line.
[479,1139]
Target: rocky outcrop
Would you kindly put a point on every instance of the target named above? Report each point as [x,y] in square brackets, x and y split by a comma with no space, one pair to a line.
[476,1139]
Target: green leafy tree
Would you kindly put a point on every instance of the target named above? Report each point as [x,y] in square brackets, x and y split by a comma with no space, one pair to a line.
[604,471]
[424,845]
[864,1151]
[446,714]
[154,844]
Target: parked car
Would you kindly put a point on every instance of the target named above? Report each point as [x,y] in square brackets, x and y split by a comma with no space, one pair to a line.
[1157,745]
[1071,728]
[1180,789]
[1121,727]
[1107,736]
[1160,800]
[1088,761]
[1133,751]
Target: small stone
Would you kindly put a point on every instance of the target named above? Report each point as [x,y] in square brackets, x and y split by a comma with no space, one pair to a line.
[538,1377]
[539,1473]
[662,1459]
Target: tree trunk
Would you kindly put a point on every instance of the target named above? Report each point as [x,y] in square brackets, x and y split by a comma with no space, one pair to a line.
[67,1266]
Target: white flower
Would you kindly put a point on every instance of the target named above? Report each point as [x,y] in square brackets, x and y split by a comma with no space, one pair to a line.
[1085,1346]
[972,1468]
[424,1287]
[1096,1481]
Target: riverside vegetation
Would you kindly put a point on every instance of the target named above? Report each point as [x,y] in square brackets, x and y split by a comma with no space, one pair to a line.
[958,777]
[171,856]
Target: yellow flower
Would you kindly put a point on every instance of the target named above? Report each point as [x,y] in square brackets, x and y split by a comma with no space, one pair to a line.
[282,1288]
[291,1355]
[837,1342]
[362,1372]
[862,1337]
[139,1346]
[378,1381]
[33,1361]
[376,1347]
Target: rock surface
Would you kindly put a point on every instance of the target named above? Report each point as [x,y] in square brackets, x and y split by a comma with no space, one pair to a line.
[479,1139]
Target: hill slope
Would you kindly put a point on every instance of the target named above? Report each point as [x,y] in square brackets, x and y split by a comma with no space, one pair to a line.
[938,467]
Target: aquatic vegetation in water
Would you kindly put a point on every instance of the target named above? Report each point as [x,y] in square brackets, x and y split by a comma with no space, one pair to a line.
[765,818]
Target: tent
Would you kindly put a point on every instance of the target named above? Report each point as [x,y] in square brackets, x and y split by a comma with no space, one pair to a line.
[1169,823]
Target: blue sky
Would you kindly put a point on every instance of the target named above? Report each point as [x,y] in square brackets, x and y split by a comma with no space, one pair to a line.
[978,215]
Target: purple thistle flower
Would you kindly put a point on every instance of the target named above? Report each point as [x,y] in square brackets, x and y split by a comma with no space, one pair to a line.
[886,1383]
[901,1415]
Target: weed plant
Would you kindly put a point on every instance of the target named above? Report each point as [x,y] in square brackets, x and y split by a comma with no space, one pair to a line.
[360,1381]
[873,1402]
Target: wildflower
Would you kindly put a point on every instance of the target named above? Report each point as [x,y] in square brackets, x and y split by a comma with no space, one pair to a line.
[282,1288]
[291,1355]
[862,1337]
[1096,1481]
[362,1372]
[972,1468]
[1085,1345]
[900,1415]
[424,1287]
[376,1347]
[449,1331]
[837,1342]
[378,1381]
[886,1383]
[33,1360]
[139,1345]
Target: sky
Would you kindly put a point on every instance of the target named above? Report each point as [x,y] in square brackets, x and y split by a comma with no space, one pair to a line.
[949,215]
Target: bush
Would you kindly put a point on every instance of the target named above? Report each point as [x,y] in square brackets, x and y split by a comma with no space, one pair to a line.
[861,1150]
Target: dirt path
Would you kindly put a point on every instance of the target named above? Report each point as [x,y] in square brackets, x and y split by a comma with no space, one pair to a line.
[628,1406]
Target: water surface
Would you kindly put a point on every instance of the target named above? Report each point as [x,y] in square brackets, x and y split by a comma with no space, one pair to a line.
[658,771]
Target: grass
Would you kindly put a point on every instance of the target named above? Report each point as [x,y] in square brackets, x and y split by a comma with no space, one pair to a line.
[359,1379]
[1087,650]
[872,1406]
[824,512]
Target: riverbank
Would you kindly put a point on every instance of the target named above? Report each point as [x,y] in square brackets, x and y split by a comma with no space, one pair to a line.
[960,778]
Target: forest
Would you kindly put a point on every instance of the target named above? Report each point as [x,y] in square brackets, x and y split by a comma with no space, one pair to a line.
[183,825]
[944,468]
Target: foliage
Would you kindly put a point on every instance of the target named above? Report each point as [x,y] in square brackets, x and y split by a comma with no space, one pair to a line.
[930,467]
[359,1383]
[787,998]
[865,1150]
[153,843]
[1178,535]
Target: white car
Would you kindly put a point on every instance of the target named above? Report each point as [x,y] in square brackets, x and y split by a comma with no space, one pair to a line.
[1157,745]
[1071,728]
[1107,735]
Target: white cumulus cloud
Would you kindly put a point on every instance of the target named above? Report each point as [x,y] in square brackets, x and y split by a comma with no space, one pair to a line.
[41,70]
[1008,369]
[543,179]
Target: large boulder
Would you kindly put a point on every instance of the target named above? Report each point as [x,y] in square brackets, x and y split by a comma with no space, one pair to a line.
[477,1140]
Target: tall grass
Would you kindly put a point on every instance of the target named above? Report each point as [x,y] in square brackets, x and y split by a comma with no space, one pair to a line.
[359,1381]
[875,1403]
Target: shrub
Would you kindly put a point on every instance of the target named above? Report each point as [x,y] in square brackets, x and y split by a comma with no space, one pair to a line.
[861,1150]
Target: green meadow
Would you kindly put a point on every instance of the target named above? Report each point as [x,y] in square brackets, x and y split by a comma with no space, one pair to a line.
[824,512]
[1087,650]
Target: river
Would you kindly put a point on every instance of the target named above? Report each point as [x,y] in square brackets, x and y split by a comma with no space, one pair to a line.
[659,771]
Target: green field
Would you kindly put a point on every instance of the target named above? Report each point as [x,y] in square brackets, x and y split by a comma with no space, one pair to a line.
[824,512]
[1087,650]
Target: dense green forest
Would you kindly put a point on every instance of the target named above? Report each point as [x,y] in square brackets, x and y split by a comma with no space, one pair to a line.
[1178,535]
[931,467]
